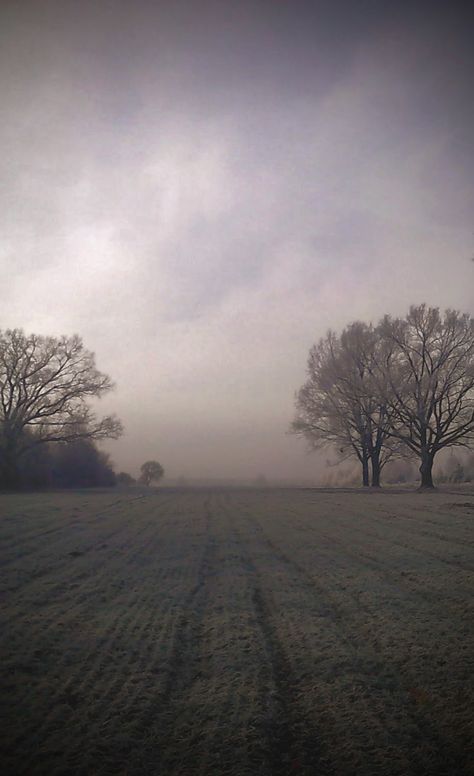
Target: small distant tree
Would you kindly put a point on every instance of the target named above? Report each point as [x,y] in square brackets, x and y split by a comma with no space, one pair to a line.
[151,471]
[45,383]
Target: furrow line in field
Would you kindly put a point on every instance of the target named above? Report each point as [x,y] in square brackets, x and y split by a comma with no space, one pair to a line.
[346,641]
[403,581]
[116,682]
[392,527]
[381,564]
[140,681]
[291,740]
[336,522]
[59,514]
[73,571]
[96,687]
[379,508]
[209,723]
[62,531]
[154,634]
[88,678]
[423,551]
[238,633]
[363,511]
[347,626]
[186,629]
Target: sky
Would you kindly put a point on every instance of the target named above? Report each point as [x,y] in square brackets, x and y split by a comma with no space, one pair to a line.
[202,189]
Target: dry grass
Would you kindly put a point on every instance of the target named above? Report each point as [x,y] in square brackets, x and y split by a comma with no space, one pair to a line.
[237,632]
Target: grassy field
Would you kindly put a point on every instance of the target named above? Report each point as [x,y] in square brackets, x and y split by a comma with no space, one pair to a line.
[237,632]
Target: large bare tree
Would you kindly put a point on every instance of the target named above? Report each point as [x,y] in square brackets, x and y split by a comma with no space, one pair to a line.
[45,383]
[426,378]
[338,405]
[360,344]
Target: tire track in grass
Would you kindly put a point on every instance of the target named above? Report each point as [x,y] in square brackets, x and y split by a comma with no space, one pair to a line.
[336,648]
[287,752]
[203,722]
[172,668]
[447,759]
[449,626]
[292,742]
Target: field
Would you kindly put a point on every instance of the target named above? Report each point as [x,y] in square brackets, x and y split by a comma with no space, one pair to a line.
[237,632]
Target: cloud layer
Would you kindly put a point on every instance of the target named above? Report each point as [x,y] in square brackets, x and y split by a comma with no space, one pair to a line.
[201,195]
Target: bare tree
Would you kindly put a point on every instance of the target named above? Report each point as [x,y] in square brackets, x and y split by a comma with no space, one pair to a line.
[325,415]
[45,383]
[359,346]
[151,471]
[426,378]
[338,406]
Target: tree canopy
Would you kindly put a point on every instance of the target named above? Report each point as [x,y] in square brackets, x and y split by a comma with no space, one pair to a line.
[404,387]
[339,404]
[426,378]
[45,384]
[151,471]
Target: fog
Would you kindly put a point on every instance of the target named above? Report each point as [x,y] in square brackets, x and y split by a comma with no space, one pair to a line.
[201,190]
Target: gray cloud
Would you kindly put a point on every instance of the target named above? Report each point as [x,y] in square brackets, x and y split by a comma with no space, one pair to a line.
[201,194]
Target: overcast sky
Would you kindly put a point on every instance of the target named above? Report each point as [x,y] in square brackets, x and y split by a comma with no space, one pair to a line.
[201,189]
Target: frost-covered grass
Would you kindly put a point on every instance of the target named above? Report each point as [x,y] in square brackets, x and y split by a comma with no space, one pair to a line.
[237,632]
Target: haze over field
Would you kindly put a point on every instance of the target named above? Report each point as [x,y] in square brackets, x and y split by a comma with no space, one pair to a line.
[202,193]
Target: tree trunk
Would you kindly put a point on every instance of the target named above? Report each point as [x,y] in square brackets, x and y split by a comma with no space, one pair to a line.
[10,451]
[365,472]
[426,469]
[375,471]
[10,473]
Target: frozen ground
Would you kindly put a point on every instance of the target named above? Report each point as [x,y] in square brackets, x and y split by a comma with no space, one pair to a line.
[237,632]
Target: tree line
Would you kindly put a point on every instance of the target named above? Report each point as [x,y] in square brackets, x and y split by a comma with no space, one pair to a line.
[48,431]
[401,388]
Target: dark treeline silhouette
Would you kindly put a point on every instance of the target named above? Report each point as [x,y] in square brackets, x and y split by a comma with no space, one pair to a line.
[47,429]
[63,465]
[125,479]
[403,388]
